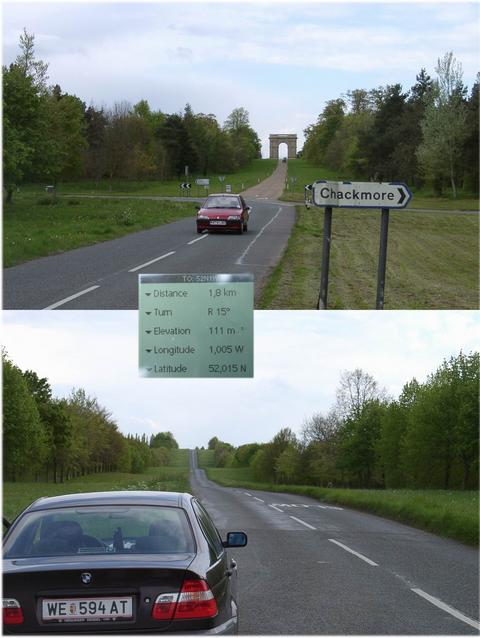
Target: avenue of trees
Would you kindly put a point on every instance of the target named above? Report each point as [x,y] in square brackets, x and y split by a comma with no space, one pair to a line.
[427,438]
[50,136]
[428,135]
[50,439]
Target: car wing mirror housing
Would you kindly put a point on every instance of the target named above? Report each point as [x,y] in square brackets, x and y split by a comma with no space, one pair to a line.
[197,207]
[235,539]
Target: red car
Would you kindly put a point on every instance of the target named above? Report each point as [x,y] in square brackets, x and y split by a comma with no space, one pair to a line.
[223,212]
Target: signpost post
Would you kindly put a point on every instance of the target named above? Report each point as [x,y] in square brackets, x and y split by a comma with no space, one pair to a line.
[356,195]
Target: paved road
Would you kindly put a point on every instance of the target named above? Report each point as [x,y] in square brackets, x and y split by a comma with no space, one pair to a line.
[105,276]
[298,574]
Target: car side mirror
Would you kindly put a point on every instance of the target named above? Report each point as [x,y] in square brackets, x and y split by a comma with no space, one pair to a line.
[249,208]
[235,539]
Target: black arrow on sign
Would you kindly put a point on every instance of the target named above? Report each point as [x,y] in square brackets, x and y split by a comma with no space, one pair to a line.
[309,187]
[147,312]
[402,195]
[148,349]
[148,331]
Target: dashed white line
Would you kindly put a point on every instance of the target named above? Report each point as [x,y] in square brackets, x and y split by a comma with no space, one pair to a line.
[259,499]
[152,261]
[244,254]
[247,493]
[352,551]
[276,508]
[450,610]
[189,243]
[67,299]
[303,522]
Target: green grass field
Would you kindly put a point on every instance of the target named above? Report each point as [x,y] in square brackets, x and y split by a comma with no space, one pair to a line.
[453,514]
[32,230]
[173,478]
[205,458]
[306,173]
[34,227]
[432,261]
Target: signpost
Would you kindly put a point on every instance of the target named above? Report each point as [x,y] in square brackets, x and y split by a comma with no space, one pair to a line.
[205,182]
[356,195]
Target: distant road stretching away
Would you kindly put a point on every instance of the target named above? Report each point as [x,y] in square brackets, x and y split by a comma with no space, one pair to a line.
[311,568]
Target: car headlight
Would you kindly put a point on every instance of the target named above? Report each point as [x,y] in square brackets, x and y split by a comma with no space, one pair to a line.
[203,217]
[234,218]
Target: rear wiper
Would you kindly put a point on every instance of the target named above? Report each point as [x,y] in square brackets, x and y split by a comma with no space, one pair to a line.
[6,523]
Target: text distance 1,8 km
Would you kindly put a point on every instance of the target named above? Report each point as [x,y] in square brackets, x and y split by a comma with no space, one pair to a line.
[196,325]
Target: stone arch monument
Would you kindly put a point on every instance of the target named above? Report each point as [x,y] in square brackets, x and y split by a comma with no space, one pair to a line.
[290,140]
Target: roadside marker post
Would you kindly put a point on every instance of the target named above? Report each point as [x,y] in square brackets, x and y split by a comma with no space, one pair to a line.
[384,195]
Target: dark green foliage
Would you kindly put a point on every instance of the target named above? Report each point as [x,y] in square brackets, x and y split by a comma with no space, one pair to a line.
[49,439]
[427,438]
[50,136]
[163,439]
[428,134]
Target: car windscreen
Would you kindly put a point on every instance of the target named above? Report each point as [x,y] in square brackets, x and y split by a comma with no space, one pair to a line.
[222,202]
[102,529]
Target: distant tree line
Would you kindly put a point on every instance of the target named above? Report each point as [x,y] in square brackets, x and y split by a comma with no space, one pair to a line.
[52,136]
[427,135]
[50,439]
[427,438]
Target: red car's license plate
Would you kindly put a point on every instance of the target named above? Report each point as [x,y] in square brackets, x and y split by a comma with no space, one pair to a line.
[217,222]
[78,609]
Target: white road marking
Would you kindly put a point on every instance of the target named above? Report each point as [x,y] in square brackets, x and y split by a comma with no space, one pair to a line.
[244,254]
[303,522]
[352,551]
[247,493]
[151,261]
[259,499]
[189,243]
[276,508]
[450,610]
[67,299]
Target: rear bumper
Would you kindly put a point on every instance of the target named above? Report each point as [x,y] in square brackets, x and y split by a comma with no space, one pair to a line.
[230,225]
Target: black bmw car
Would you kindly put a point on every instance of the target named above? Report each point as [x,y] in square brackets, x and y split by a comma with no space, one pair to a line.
[130,561]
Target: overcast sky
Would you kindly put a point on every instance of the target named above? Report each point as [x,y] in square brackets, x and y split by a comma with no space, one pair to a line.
[299,356]
[281,60]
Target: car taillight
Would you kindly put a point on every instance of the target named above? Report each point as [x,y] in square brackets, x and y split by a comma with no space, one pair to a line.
[12,612]
[195,601]
[164,606]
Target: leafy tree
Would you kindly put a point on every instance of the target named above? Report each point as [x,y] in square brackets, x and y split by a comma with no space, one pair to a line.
[444,126]
[165,440]
[24,440]
[356,389]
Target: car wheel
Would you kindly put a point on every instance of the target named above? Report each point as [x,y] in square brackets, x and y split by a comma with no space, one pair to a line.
[241,229]
[199,230]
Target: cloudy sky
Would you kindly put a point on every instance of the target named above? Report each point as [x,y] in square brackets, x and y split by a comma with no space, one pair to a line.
[299,356]
[279,60]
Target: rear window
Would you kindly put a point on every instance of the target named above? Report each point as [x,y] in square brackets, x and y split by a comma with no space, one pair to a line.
[101,530]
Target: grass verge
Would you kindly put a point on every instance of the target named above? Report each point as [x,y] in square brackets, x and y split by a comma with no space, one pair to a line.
[174,478]
[432,261]
[33,230]
[452,514]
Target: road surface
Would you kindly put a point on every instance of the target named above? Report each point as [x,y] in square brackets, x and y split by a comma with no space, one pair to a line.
[317,569]
[105,276]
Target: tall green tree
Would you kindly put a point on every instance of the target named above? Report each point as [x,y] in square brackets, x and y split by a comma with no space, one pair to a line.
[444,126]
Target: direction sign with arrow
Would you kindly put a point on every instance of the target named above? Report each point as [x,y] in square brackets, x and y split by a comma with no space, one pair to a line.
[186,185]
[361,194]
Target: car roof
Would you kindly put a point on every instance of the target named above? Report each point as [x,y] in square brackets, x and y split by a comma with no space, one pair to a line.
[120,497]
